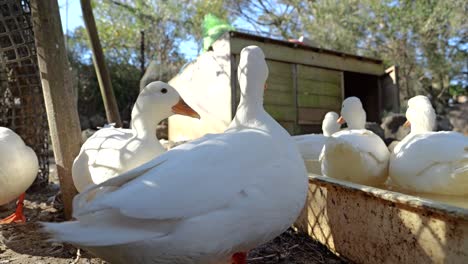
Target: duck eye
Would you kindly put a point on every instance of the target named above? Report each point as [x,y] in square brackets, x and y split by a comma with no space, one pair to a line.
[163,90]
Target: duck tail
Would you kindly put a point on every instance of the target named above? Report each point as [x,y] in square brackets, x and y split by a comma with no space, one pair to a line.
[60,232]
[87,235]
[461,168]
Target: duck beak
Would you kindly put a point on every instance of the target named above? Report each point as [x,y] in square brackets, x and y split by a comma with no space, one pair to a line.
[407,124]
[341,120]
[182,108]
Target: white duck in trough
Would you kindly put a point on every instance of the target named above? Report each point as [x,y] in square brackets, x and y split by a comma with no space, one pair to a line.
[112,151]
[206,201]
[311,145]
[355,154]
[18,169]
[426,161]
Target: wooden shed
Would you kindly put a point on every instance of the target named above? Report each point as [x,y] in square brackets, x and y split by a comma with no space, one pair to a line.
[304,83]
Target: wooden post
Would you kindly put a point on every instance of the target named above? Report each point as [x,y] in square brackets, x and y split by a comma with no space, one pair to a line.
[110,104]
[142,53]
[57,87]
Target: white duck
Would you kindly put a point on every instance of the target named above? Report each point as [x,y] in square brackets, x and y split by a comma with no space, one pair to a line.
[355,154]
[206,201]
[18,169]
[311,145]
[426,161]
[112,151]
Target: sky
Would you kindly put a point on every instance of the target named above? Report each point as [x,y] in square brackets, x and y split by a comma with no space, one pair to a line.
[74,14]
[72,18]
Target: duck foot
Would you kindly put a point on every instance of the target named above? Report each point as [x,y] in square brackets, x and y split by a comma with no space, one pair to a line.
[239,258]
[18,216]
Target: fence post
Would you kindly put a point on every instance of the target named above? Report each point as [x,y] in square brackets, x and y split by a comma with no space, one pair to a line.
[110,104]
[62,113]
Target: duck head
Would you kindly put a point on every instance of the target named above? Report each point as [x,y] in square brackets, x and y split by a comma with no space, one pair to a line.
[156,102]
[353,113]
[420,115]
[252,74]
[330,124]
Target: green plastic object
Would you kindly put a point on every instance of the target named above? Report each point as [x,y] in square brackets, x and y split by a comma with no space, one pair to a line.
[213,28]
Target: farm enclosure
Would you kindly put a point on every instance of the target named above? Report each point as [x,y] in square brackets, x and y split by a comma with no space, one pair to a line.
[304,83]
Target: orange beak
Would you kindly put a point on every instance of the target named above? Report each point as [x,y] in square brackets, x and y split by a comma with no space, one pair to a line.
[265,87]
[407,124]
[341,120]
[182,108]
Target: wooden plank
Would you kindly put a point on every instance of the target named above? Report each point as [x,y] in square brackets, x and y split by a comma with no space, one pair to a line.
[274,86]
[316,87]
[318,74]
[235,92]
[279,68]
[244,35]
[342,87]
[319,101]
[281,113]
[295,93]
[289,126]
[306,128]
[307,57]
[278,80]
[279,97]
[311,116]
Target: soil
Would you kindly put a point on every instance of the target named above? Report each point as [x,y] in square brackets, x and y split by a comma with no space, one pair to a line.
[25,243]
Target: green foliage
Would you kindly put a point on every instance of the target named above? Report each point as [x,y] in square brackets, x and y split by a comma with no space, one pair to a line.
[125,79]
[426,39]
[213,28]
[456,90]
[165,25]
[120,23]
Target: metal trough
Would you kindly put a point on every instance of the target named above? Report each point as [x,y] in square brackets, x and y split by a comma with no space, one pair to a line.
[370,225]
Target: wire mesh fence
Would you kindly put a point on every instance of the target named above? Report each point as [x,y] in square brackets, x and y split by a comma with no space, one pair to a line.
[21,101]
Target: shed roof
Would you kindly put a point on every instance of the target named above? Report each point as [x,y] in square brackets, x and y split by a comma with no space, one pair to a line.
[289,44]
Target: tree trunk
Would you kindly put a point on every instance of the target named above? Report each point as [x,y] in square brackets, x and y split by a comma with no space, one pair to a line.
[57,87]
[110,104]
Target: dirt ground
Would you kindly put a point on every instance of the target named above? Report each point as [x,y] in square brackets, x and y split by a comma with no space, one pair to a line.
[24,243]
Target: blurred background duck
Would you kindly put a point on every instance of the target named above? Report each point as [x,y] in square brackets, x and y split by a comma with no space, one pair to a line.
[426,161]
[311,145]
[355,154]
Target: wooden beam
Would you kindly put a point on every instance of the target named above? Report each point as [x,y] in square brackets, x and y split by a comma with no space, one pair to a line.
[287,54]
[57,87]
[234,81]
[142,53]
[295,94]
[110,104]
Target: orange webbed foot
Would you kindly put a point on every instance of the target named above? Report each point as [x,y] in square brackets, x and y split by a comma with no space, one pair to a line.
[239,258]
[18,216]
[14,218]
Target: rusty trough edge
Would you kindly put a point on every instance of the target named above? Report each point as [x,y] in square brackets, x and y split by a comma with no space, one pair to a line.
[396,197]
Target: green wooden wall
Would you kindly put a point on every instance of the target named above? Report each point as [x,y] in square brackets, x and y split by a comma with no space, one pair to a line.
[318,91]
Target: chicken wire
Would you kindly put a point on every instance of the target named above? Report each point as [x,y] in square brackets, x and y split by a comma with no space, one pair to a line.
[22,106]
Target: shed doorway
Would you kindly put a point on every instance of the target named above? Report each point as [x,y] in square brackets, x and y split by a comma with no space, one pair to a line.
[366,88]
